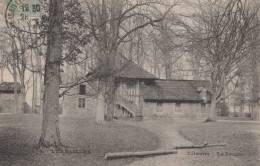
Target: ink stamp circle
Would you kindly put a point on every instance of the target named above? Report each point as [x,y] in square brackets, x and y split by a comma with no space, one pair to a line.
[22,9]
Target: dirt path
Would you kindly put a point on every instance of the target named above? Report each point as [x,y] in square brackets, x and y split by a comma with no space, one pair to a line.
[170,138]
[168,133]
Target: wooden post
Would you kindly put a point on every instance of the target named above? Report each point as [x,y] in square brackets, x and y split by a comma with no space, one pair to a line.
[138,115]
[137,92]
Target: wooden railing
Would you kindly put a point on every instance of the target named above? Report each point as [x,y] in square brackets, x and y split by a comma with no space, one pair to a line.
[130,106]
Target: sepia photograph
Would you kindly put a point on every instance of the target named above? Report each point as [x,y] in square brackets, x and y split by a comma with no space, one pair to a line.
[129,83]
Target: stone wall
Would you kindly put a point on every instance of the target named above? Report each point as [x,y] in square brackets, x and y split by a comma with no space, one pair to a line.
[70,103]
[7,103]
[173,110]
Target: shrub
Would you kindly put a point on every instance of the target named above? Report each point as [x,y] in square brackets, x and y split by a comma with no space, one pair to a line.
[26,108]
[236,114]
[222,109]
[248,115]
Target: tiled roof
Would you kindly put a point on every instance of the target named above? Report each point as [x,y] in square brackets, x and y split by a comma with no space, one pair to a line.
[175,90]
[132,70]
[8,87]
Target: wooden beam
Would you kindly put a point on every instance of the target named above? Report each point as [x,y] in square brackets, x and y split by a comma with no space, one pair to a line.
[139,154]
[157,152]
[198,146]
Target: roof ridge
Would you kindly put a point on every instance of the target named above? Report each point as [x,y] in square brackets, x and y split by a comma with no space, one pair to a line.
[130,69]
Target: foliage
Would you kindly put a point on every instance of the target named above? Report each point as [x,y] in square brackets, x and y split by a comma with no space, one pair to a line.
[248,115]
[237,114]
[26,108]
[222,109]
[74,28]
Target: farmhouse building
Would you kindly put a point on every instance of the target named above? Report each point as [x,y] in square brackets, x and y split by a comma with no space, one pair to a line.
[176,98]
[140,94]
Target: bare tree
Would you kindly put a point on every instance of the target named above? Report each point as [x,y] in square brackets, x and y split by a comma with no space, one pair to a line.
[112,23]
[221,32]
[2,65]
[255,114]
[16,61]
[169,43]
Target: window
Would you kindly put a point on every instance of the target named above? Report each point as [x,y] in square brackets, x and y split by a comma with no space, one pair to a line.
[82,89]
[82,102]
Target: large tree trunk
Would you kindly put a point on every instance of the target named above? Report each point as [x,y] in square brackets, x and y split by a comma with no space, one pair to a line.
[50,135]
[113,65]
[100,109]
[110,98]
[113,59]
[212,112]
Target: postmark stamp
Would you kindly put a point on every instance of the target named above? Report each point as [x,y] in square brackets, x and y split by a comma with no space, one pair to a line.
[21,9]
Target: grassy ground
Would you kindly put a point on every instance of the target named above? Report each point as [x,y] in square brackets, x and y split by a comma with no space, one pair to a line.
[244,118]
[241,140]
[19,135]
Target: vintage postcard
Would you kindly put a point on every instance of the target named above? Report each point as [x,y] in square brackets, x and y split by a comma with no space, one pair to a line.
[130,82]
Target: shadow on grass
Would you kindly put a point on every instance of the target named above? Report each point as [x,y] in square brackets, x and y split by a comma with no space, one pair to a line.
[88,142]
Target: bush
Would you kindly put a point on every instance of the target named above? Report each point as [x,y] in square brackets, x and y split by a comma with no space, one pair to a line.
[26,108]
[242,114]
[236,114]
[222,109]
[248,115]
